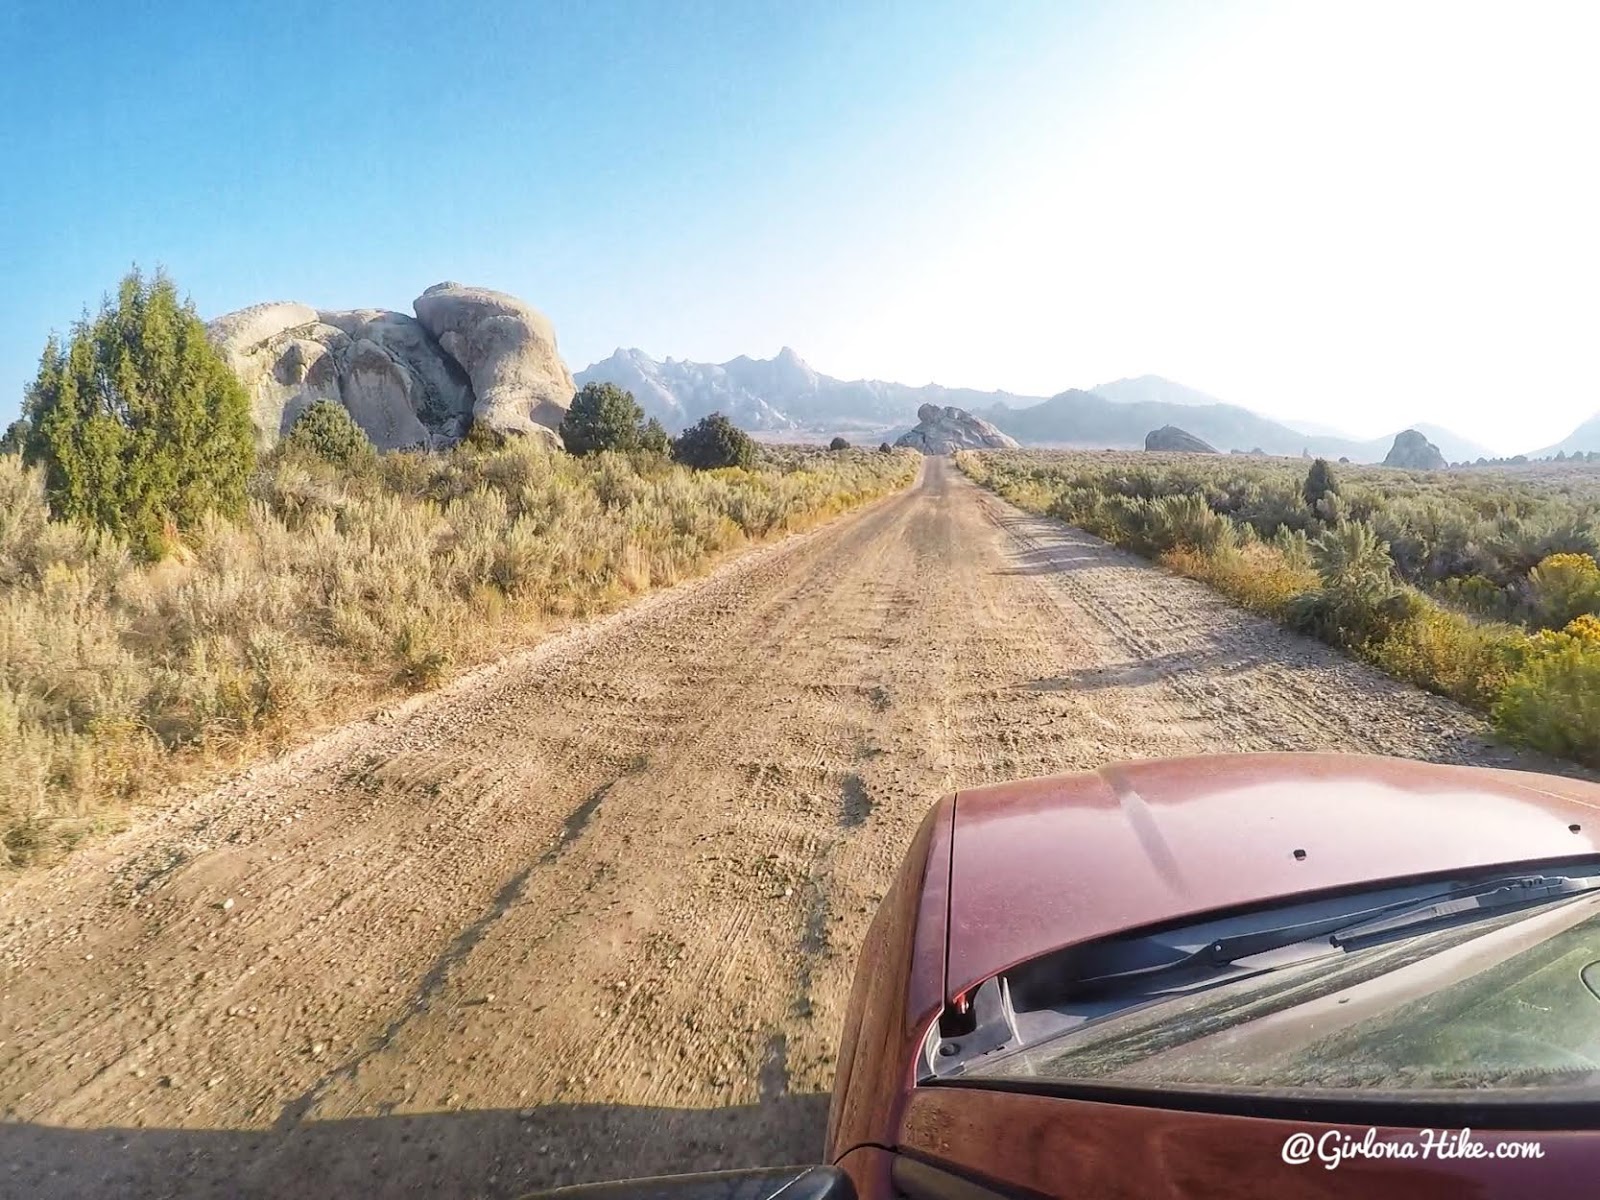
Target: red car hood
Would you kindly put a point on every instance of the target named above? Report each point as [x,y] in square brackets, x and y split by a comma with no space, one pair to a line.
[1045,863]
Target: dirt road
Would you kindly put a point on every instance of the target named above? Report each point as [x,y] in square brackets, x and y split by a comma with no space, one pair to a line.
[594,911]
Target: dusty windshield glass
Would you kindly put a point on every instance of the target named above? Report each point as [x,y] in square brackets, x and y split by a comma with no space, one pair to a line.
[1508,1006]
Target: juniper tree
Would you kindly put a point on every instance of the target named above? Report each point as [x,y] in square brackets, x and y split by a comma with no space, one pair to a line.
[326,430]
[137,421]
[1320,480]
[654,438]
[602,417]
[712,442]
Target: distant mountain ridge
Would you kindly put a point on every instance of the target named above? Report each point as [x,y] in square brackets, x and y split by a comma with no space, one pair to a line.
[784,395]
[1585,438]
[1226,426]
[780,394]
[1146,389]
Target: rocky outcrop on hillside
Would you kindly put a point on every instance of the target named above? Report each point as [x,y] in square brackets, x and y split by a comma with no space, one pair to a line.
[469,356]
[1414,452]
[948,429]
[1170,437]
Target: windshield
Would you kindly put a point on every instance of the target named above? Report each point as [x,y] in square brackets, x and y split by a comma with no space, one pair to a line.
[1503,1005]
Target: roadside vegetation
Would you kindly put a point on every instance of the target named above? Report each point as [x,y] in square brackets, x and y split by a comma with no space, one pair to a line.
[1482,587]
[224,604]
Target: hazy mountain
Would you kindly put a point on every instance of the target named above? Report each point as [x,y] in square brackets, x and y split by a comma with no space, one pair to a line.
[1155,389]
[1315,428]
[1152,389]
[1585,437]
[775,394]
[784,396]
[1324,437]
[1090,420]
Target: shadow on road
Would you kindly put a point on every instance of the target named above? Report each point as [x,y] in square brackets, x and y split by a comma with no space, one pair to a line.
[1209,659]
[491,1153]
[1050,561]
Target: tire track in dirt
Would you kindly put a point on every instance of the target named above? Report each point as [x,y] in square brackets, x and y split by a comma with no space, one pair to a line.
[577,820]
[593,911]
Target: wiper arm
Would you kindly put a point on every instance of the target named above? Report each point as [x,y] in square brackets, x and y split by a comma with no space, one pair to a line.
[1224,952]
[1345,928]
[1502,894]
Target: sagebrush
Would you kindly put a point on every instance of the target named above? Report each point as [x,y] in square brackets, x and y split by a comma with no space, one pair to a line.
[336,586]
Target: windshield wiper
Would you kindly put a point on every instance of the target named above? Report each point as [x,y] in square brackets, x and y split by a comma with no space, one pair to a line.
[1341,931]
[1492,897]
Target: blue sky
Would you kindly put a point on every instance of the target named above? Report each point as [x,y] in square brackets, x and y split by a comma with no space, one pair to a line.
[1286,209]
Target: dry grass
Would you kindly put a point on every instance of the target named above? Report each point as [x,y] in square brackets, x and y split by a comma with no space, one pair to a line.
[119,677]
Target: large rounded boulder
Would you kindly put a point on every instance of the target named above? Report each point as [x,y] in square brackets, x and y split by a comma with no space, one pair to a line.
[1170,437]
[507,350]
[948,429]
[492,361]
[1413,451]
[398,383]
[285,356]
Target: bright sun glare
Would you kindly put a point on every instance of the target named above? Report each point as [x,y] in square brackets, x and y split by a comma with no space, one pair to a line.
[1382,213]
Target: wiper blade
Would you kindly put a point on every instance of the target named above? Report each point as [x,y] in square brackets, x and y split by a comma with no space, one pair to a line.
[1345,928]
[1500,895]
